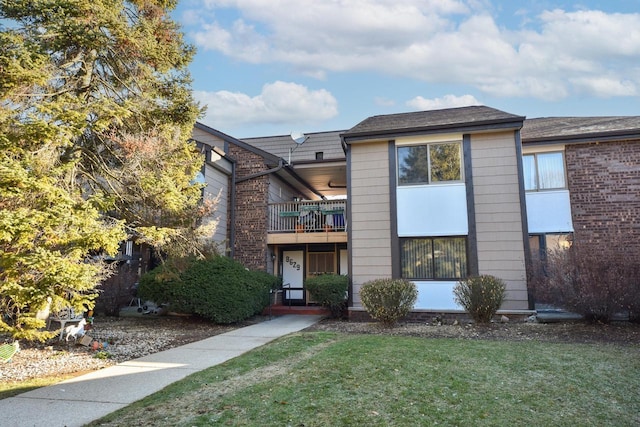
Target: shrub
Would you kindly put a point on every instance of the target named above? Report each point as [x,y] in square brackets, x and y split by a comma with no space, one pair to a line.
[388,300]
[330,290]
[261,284]
[216,288]
[481,296]
[596,281]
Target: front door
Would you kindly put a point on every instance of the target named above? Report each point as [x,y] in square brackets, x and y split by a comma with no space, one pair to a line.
[293,277]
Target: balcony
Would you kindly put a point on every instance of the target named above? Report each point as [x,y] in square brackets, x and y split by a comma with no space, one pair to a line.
[307,222]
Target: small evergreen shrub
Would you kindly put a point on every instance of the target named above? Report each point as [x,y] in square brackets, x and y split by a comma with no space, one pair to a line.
[388,300]
[260,282]
[481,296]
[217,288]
[330,290]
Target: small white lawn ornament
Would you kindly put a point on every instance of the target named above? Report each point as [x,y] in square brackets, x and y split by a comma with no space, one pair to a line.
[75,331]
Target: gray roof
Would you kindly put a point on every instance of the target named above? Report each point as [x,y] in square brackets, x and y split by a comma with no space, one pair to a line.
[286,173]
[327,143]
[269,157]
[433,120]
[563,129]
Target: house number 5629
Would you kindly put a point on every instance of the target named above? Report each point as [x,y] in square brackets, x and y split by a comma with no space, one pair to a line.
[292,262]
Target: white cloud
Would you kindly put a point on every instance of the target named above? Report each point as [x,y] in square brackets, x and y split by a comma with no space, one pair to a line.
[605,87]
[191,17]
[384,102]
[241,41]
[334,35]
[279,102]
[554,54]
[447,101]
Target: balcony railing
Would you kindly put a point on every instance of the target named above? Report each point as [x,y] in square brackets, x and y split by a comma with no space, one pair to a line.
[307,216]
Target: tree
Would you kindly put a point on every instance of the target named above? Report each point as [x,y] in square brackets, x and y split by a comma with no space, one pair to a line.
[422,164]
[95,113]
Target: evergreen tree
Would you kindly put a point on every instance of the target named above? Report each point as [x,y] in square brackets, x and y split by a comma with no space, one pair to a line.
[95,114]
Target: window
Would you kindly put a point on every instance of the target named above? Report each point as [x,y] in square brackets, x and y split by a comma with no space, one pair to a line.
[543,171]
[441,258]
[541,245]
[428,164]
[321,263]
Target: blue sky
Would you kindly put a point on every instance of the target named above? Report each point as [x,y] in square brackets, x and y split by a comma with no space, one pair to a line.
[269,67]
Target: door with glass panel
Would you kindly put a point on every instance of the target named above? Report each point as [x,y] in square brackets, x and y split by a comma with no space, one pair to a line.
[293,277]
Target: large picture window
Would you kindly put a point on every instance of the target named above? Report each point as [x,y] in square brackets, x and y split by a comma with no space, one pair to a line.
[428,164]
[438,258]
[544,171]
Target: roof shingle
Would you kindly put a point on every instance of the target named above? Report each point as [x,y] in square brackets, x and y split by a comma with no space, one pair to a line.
[431,120]
[563,128]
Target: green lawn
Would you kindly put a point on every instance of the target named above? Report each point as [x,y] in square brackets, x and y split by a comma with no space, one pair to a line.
[332,379]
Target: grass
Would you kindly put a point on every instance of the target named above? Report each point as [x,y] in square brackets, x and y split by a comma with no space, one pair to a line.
[321,378]
[14,388]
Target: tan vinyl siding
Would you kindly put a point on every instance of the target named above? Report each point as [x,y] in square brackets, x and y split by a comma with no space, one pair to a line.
[216,190]
[498,214]
[207,138]
[370,207]
[279,192]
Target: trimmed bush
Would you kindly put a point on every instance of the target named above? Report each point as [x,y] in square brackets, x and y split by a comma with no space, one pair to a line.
[217,288]
[388,300]
[330,290]
[481,296]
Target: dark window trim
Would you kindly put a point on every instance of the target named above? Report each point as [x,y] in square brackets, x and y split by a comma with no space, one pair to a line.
[430,182]
[396,266]
[472,237]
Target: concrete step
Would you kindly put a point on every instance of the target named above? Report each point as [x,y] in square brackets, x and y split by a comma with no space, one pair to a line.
[280,310]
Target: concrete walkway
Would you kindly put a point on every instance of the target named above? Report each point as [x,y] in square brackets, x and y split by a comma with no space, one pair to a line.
[83,399]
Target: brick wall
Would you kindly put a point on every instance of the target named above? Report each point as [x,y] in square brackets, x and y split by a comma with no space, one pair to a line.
[251,210]
[604,183]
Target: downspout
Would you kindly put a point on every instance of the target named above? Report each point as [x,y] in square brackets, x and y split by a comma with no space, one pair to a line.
[258,174]
[232,220]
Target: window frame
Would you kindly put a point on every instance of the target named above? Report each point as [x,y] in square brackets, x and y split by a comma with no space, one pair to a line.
[428,146]
[538,256]
[543,239]
[535,156]
[314,263]
[434,268]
